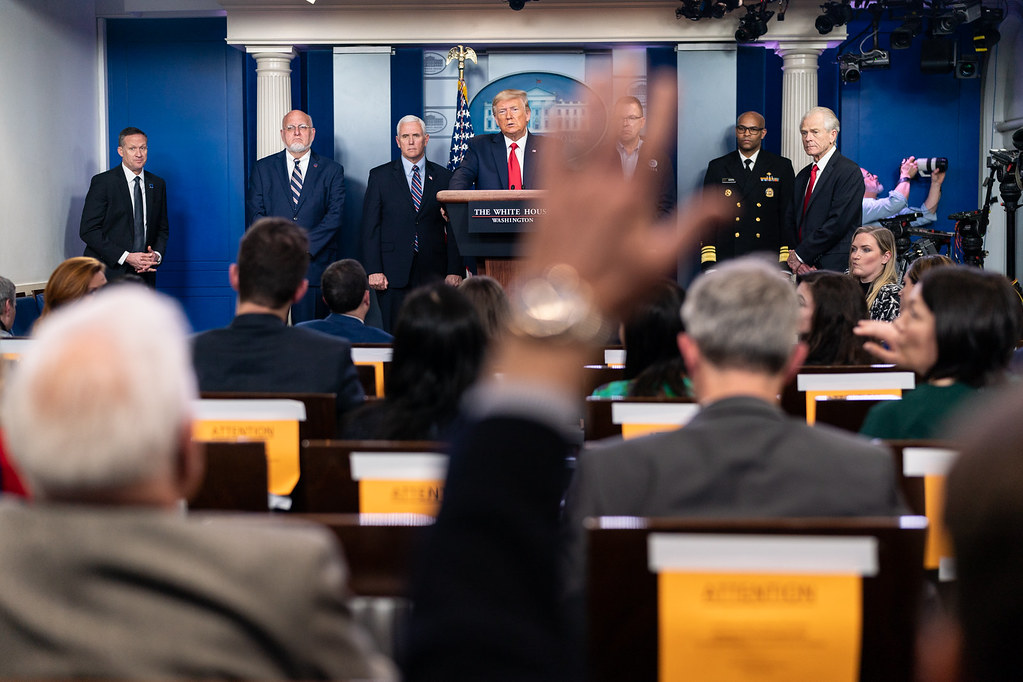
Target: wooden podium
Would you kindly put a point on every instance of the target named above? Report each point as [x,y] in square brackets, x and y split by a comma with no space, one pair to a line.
[487,224]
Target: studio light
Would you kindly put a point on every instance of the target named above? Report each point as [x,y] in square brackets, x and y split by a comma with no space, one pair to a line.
[694,10]
[985,34]
[955,15]
[518,4]
[835,14]
[753,25]
[849,68]
[967,66]
[903,36]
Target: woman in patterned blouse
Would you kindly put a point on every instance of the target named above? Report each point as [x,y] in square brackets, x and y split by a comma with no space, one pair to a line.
[872,262]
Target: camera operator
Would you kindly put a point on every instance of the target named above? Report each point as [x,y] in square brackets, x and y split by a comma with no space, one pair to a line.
[875,209]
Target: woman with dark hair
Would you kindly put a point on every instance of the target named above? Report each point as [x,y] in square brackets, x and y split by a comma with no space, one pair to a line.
[831,305]
[917,269]
[491,303]
[872,263]
[438,352]
[957,333]
[653,363]
[73,279]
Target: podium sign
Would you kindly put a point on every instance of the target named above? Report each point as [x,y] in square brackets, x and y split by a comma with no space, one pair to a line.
[502,217]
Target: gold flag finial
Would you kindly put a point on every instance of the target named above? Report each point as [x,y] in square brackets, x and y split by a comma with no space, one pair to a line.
[461,53]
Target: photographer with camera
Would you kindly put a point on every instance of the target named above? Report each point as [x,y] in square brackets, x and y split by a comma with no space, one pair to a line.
[875,209]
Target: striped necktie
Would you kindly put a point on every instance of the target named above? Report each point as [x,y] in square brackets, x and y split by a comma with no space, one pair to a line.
[417,188]
[296,182]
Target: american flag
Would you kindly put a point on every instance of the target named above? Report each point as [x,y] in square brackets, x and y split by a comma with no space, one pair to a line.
[462,130]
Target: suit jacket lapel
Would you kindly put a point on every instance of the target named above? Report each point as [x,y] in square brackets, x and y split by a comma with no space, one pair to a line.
[823,175]
[501,159]
[428,182]
[402,185]
[124,193]
[529,161]
[312,173]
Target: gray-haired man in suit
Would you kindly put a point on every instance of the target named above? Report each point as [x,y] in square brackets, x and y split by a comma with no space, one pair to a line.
[740,456]
[102,577]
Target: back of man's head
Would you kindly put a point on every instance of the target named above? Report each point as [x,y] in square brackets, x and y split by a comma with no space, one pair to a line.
[344,285]
[273,257]
[100,402]
[743,315]
[7,291]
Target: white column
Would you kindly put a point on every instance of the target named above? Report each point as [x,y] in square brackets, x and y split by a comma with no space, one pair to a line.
[273,95]
[798,93]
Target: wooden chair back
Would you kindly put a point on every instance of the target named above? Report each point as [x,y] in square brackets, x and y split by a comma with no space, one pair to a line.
[328,483]
[921,467]
[799,397]
[607,417]
[235,478]
[320,411]
[373,363]
[623,603]
[379,549]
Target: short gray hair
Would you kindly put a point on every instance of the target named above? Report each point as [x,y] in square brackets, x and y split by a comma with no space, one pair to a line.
[100,400]
[830,120]
[411,118]
[7,290]
[743,315]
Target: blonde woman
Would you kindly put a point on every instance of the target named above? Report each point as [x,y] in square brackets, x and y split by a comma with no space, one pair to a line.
[872,263]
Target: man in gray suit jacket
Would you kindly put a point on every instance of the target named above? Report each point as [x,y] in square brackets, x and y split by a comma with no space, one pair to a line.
[103,577]
[740,456]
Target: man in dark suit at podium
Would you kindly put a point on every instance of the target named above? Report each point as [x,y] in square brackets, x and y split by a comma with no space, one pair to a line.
[405,239]
[759,185]
[309,190]
[505,160]
[124,219]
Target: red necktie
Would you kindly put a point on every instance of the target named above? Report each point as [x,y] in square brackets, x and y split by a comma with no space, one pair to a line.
[514,172]
[806,199]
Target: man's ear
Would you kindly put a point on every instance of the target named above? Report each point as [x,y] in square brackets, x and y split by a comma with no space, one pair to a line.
[190,465]
[365,297]
[300,292]
[796,361]
[232,276]
[689,350]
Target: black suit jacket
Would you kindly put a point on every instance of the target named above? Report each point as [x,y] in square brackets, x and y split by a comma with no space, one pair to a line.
[661,171]
[320,206]
[487,586]
[824,233]
[485,165]
[390,223]
[108,220]
[763,218]
[258,352]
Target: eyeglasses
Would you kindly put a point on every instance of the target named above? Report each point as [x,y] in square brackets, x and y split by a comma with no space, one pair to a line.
[752,130]
[630,119]
[300,128]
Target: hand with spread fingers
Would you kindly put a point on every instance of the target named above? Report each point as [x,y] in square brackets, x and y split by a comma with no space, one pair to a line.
[598,232]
